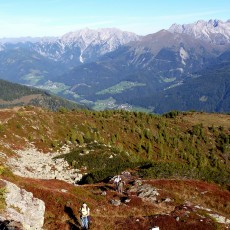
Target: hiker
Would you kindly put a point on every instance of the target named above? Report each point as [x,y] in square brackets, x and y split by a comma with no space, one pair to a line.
[116,182]
[84,214]
[120,186]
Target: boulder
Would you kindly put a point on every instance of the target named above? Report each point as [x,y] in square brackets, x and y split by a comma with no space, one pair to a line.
[23,207]
[116,202]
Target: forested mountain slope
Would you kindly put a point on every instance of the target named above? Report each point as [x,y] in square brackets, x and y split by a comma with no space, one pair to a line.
[12,94]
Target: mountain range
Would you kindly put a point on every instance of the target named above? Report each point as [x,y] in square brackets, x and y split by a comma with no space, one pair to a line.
[109,68]
[213,31]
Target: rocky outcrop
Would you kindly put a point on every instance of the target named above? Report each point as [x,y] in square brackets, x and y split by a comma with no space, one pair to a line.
[34,164]
[22,207]
[146,192]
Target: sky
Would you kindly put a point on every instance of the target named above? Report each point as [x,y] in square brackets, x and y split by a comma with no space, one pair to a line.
[39,18]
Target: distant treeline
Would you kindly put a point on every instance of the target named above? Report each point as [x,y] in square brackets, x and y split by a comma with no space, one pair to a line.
[11,91]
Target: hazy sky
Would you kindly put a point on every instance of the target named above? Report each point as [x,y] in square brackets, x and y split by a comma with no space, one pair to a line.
[57,17]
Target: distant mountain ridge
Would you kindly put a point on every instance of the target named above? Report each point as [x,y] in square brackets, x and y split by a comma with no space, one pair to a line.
[89,44]
[80,46]
[111,36]
[213,31]
[109,68]
[152,64]
[30,62]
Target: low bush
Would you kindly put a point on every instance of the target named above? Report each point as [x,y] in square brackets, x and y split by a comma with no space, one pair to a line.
[172,114]
[109,172]
[176,169]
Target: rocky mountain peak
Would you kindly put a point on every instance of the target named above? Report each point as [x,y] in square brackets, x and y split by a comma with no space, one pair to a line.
[86,37]
[83,45]
[213,31]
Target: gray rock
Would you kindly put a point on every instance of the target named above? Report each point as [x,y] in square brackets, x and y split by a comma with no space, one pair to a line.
[116,202]
[23,207]
[220,219]
[147,191]
[103,193]
[167,200]
[34,164]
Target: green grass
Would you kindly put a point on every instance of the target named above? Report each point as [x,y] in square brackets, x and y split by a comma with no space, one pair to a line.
[54,87]
[2,198]
[168,79]
[109,103]
[33,78]
[119,88]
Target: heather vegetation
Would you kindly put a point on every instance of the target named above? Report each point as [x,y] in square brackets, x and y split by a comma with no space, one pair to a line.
[181,145]
[167,151]
[155,146]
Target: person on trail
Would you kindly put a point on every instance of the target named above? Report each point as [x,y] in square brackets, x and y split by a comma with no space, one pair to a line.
[116,181]
[121,186]
[84,214]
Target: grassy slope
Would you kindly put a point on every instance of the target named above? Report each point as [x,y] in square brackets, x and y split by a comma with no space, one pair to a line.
[131,132]
[197,140]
